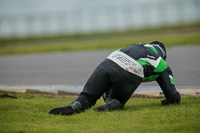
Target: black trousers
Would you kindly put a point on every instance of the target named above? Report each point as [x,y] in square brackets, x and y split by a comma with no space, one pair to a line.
[110,79]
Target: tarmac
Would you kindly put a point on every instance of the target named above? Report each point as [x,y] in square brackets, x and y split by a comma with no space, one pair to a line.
[65,73]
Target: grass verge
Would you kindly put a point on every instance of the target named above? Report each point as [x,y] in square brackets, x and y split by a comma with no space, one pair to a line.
[169,37]
[30,114]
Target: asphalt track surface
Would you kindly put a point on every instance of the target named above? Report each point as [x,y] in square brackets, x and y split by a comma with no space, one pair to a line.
[74,68]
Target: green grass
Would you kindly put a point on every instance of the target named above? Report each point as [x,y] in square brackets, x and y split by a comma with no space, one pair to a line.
[30,114]
[169,37]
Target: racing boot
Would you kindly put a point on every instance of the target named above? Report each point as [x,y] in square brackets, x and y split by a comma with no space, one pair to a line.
[112,105]
[74,107]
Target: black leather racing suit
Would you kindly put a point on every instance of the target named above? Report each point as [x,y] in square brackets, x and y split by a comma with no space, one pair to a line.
[118,83]
[119,75]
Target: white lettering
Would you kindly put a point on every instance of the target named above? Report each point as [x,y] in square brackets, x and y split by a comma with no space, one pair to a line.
[126,62]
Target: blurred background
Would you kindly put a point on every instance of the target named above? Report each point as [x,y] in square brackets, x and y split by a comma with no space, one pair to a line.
[28,26]
[25,18]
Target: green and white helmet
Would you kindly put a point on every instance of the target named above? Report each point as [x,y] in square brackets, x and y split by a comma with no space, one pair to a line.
[160,48]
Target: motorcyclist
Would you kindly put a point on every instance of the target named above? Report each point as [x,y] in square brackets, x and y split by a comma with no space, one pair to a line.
[119,75]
